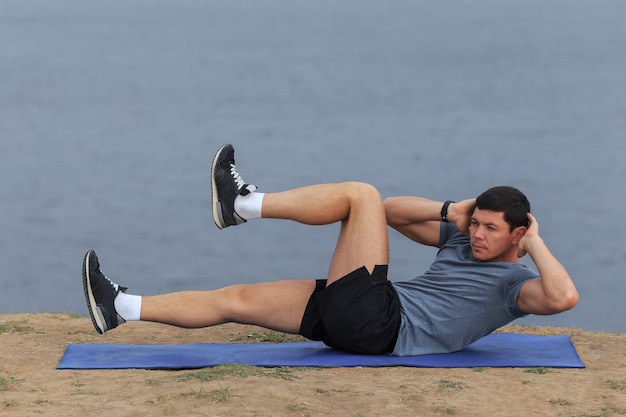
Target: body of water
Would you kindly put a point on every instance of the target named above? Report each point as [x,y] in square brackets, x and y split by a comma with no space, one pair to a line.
[110,113]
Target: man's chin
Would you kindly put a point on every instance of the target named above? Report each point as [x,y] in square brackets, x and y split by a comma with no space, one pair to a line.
[480,255]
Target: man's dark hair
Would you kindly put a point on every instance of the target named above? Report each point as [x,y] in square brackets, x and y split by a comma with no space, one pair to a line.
[508,200]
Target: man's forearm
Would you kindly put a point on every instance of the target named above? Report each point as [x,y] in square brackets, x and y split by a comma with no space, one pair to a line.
[405,210]
[414,217]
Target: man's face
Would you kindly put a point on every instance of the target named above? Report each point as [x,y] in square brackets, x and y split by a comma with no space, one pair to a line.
[491,238]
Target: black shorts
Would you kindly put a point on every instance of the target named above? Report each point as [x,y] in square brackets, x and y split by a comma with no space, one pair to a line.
[359,313]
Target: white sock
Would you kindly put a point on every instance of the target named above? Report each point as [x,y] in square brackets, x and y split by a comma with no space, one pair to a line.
[249,206]
[128,306]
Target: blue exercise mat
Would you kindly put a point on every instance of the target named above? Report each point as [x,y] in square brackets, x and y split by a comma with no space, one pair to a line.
[499,350]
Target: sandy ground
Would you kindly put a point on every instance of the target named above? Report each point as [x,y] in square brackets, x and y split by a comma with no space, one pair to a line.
[30,385]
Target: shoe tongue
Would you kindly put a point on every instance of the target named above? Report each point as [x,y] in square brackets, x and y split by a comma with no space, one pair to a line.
[247,189]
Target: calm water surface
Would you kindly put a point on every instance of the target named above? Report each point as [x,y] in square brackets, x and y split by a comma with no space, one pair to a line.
[111,111]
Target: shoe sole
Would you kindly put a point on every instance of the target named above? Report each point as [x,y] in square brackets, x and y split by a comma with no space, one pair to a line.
[217,207]
[91,301]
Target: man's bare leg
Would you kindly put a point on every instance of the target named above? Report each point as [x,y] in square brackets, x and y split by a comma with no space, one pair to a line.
[363,239]
[275,305]
[358,206]
[280,305]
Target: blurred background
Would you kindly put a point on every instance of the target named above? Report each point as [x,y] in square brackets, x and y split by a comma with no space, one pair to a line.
[110,113]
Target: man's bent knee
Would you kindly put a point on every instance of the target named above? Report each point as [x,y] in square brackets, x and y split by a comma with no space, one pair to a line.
[362,189]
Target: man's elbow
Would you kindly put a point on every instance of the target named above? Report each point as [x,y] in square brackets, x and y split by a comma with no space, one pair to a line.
[572,300]
[566,302]
[391,210]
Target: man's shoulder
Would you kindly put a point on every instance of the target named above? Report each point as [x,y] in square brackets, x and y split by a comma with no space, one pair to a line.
[450,235]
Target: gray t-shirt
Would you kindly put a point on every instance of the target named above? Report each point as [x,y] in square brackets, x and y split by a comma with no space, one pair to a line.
[458,300]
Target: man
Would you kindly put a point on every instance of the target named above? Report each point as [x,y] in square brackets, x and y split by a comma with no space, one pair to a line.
[475,285]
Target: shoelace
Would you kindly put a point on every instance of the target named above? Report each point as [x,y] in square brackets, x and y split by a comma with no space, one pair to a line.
[115,286]
[238,180]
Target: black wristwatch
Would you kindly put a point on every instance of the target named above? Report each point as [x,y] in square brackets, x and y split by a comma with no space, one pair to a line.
[444,211]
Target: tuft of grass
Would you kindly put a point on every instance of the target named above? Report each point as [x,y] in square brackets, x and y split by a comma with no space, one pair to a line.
[298,408]
[444,410]
[154,381]
[560,401]
[539,371]
[195,394]
[220,395]
[412,400]
[604,413]
[9,403]
[619,384]
[445,383]
[81,392]
[15,327]
[269,337]
[159,399]
[6,383]
[407,396]
[240,371]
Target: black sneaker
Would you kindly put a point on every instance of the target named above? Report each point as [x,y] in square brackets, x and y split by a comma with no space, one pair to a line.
[100,293]
[226,185]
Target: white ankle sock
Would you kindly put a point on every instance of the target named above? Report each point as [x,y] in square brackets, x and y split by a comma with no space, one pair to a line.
[249,206]
[128,306]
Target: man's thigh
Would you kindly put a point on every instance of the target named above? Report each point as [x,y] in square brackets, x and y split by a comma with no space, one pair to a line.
[277,305]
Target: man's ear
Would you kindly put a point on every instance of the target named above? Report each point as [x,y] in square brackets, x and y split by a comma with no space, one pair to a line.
[518,234]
